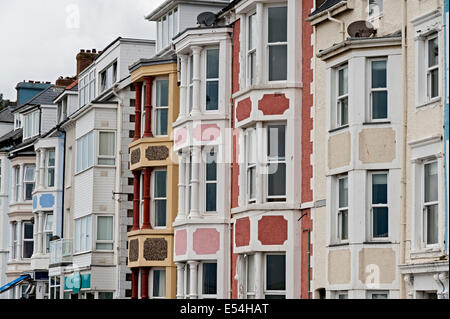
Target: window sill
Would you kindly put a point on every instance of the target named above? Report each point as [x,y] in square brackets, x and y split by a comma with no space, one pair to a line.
[428,252]
[338,128]
[377,123]
[378,242]
[269,85]
[431,103]
[338,245]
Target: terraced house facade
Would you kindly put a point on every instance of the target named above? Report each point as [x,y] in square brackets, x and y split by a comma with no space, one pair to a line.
[257,149]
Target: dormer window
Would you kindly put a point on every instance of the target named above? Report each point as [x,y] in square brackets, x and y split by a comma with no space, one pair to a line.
[108,77]
[86,89]
[31,127]
[17,121]
[167,28]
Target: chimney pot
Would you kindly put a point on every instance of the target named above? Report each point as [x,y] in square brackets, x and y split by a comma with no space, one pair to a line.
[82,50]
[94,51]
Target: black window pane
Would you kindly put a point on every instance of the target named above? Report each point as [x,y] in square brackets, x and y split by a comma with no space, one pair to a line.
[278,63]
[380,222]
[162,120]
[212,95]
[275,297]
[432,224]
[277,179]
[211,167]
[277,24]
[27,249]
[162,93]
[28,231]
[434,83]
[379,189]
[29,191]
[379,105]
[211,196]
[160,213]
[433,52]
[378,74]
[212,68]
[210,278]
[275,272]
[276,142]
[160,183]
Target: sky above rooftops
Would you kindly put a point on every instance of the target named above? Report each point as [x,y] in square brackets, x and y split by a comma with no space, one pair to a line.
[41,38]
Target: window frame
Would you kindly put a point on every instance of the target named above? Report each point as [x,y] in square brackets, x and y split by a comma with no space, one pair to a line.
[372,90]
[79,236]
[49,167]
[268,161]
[103,78]
[83,153]
[16,183]
[190,84]
[15,240]
[207,80]
[374,16]
[372,206]
[105,157]
[424,205]
[339,98]
[250,294]
[27,182]
[154,199]
[152,282]
[200,278]
[104,241]
[251,52]
[268,44]
[156,108]
[250,134]
[430,69]
[267,292]
[24,240]
[47,232]
[341,210]
[206,154]
[376,292]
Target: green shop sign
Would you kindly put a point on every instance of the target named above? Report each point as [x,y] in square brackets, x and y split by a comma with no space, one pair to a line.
[77,281]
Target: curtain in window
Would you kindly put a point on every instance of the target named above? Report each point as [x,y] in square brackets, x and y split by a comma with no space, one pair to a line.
[159,283]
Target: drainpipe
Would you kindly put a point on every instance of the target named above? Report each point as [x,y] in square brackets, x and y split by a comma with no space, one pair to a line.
[341,23]
[117,186]
[404,160]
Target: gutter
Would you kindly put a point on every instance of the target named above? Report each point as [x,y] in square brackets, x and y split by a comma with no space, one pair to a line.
[404,160]
[117,186]
[341,23]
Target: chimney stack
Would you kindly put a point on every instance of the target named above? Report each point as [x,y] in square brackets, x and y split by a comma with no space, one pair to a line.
[65,81]
[84,59]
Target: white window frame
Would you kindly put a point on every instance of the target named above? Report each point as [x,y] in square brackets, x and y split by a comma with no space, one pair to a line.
[26,182]
[154,198]
[26,239]
[190,84]
[69,161]
[370,294]
[151,282]
[49,167]
[279,160]
[46,232]
[99,241]
[104,85]
[251,52]
[206,152]
[157,108]
[83,149]
[200,280]
[54,283]
[339,98]
[342,210]
[16,183]
[274,292]
[429,69]
[340,293]
[86,233]
[372,206]
[102,156]
[204,55]
[15,240]
[250,134]
[372,90]
[250,294]
[31,128]
[427,204]
[270,44]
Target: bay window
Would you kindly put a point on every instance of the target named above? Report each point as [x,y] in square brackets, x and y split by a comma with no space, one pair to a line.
[212,79]
[27,240]
[430,203]
[277,43]
[275,276]
[379,204]
[250,277]
[83,231]
[104,233]
[162,107]
[160,197]
[342,96]
[211,181]
[276,163]
[50,169]
[106,148]
[85,152]
[28,182]
[343,208]
[378,89]
[251,49]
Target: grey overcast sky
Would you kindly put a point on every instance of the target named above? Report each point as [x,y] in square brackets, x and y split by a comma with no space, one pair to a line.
[40,38]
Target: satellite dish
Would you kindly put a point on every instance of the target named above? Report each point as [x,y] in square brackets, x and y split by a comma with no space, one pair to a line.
[361,29]
[206,18]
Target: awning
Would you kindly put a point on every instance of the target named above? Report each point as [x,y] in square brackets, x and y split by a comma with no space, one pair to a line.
[14,283]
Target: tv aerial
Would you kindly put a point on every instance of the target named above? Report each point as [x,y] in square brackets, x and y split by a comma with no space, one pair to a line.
[361,29]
